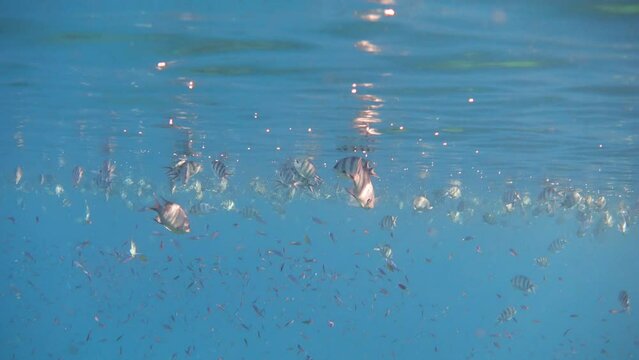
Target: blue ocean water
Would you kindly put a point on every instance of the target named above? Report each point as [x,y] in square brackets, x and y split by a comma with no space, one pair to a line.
[518,121]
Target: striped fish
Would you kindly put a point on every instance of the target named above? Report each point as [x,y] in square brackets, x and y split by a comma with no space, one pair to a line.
[523,283]
[385,250]
[548,194]
[77,175]
[453,192]
[307,171]
[105,177]
[220,169]
[557,245]
[252,213]
[510,199]
[507,314]
[364,194]
[222,172]
[624,300]
[388,222]
[354,168]
[542,261]
[489,218]
[359,170]
[572,198]
[171,216]
[287,180]
[201,208]
[183,169]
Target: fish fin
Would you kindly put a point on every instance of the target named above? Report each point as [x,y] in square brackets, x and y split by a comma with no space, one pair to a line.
[514,319]
[352,193]
[157,219]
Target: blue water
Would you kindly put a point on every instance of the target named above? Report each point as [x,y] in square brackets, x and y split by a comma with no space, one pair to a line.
[501,98]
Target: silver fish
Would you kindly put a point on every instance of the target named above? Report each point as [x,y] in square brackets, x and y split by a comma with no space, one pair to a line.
[77,175]
[510,199]
[201,208]
[507,314]
[359,171]
[252,213]
[18,175]
[557,245]
[105,177]
[354,167]
[571,199]
[523,283]
[624,300]
[548,194]
[364,194]
[183,169]
[385,250]
[307,171]
[388,222]
[171,216]
[542,261]
[288,180]
[489,218]
[421,203]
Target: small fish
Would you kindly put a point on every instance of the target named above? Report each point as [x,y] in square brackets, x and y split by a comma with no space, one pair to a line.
[489,218]
[572,198]
[133,250]
[385,250]
[359,171]
[252,213]
[201,208]
[624,300]
[523,283]
[365,195]
[557,245]
[468,238]
[510,199]
[622,226]
[542,261]
[513,252]
[220,169]
[390,265]
[307,171]
[183,169]
[421,203]
[228,205]
[171,216]
[77,175]
[106,176]
[354,167]
[454,191]
[388,222]
[548,194]
[87,213]
[258,311]
[507,314]
[318,220]
[18,175]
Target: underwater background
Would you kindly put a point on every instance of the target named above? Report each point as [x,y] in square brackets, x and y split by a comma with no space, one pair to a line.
[503,135]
